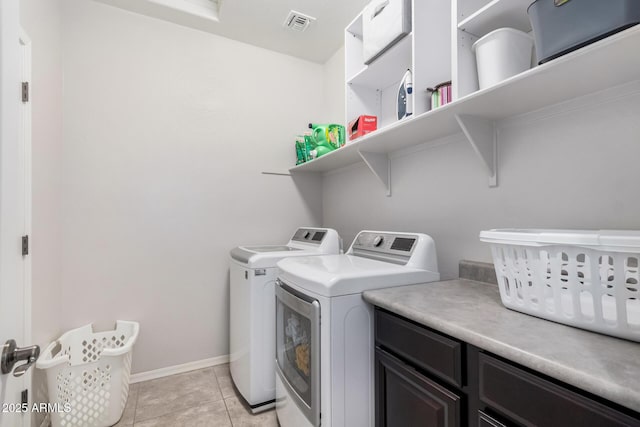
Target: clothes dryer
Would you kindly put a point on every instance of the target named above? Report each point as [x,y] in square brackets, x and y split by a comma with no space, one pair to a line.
[325,330]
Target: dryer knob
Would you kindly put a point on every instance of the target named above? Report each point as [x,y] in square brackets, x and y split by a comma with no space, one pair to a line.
[377,242]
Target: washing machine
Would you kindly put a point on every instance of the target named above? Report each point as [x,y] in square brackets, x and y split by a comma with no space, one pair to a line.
[253,273]
[325,330]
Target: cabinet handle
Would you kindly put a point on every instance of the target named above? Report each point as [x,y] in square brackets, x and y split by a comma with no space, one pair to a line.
[379,8]
[485,420]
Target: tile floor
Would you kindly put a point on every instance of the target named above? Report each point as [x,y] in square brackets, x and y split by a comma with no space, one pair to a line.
[202,398]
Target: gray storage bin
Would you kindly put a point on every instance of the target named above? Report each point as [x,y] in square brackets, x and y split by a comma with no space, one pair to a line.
[561,26]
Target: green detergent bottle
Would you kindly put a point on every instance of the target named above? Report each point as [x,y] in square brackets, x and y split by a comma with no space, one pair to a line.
[316,150]
[330,135]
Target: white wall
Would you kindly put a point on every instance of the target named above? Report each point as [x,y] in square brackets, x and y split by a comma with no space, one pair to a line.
[166,131]
[333,87]
[573,166]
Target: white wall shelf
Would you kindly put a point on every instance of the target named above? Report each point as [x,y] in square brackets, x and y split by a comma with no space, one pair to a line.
[387,69]
[596,67]
[372,89]
[497,14]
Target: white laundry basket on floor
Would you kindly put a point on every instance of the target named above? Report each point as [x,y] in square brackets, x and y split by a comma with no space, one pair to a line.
[587,279]
[88,375]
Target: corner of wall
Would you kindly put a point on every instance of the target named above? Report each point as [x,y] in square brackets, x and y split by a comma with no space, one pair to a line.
[333,87]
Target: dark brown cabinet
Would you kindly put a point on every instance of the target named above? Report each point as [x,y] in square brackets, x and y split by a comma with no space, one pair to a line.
[435,353]
[485,420]
[409,399]
[425,378]
[534,401]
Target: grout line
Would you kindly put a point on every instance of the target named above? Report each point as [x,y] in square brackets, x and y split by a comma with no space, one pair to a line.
[186,408]
[135,406]
[153,418]
[135,409]
[235,393]
[135,414]
[228,413]
[223,399]
[215,377]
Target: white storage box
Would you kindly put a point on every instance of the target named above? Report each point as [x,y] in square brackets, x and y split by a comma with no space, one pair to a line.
[501,54]
[88,375]
[587,279]
[384,22]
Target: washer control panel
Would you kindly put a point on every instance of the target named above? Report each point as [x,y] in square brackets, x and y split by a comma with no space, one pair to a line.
[309,235]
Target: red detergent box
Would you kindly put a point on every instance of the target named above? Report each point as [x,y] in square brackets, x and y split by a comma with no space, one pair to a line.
[362,126]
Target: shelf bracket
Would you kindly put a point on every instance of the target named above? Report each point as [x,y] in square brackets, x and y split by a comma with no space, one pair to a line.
[380,165]
[482,135]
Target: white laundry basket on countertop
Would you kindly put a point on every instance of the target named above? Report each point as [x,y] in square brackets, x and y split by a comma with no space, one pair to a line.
[88,375]
[586,279]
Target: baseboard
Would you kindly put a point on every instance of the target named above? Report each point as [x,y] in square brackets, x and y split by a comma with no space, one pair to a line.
[178,369]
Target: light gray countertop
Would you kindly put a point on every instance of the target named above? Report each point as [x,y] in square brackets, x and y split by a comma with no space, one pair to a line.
[472,312]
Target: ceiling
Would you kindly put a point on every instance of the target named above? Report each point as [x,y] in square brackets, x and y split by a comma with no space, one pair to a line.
[260,22]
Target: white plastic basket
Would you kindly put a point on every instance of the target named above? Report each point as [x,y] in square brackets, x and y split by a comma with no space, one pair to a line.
[88,374]
[586,279]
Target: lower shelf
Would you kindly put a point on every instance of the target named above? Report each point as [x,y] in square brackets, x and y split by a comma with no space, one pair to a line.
[480,132]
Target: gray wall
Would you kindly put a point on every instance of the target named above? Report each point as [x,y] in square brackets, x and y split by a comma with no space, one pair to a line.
[568,166]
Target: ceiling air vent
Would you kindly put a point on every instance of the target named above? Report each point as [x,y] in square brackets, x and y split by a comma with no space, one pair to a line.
[298,21]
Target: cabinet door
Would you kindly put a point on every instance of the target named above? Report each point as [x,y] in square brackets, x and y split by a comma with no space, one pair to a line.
[430,351]
[406,398]
[533,401]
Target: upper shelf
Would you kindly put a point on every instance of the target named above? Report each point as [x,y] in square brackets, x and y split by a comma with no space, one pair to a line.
[355,27]
[605,64]
[388,68]
[497,14]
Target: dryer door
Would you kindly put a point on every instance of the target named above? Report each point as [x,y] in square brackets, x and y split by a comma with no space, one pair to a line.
[298,348]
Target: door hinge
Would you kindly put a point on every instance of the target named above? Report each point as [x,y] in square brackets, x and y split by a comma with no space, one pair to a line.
[25,91]
[24,397]
[25,245]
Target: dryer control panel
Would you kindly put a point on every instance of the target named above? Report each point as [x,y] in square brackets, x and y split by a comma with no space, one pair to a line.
[385,246]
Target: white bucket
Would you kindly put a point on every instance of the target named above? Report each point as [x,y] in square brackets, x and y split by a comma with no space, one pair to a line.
[501,54]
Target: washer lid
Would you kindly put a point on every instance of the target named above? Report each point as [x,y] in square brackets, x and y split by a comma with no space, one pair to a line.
[243,254]
[336,275]
[306,241]
[267,257]
[274,248]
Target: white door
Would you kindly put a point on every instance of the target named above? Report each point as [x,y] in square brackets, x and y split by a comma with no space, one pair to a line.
[14,207]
